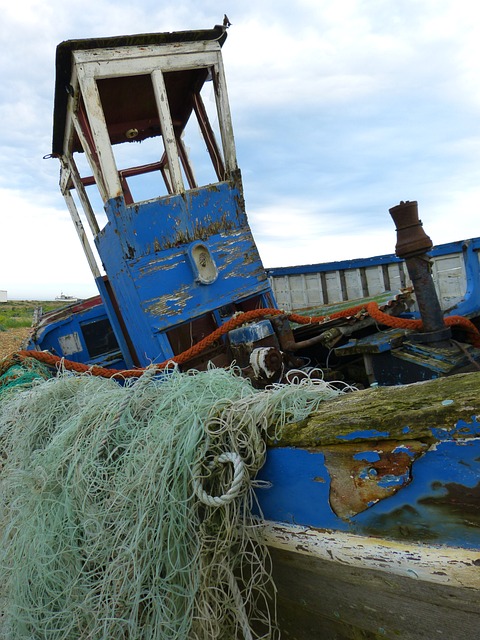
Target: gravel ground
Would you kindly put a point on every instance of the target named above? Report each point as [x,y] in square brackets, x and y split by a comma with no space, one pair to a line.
[11,340]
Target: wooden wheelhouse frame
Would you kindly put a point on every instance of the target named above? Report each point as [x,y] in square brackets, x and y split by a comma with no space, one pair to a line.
[87,130]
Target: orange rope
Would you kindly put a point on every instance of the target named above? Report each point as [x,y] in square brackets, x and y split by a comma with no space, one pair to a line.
[236,321]
[404,323]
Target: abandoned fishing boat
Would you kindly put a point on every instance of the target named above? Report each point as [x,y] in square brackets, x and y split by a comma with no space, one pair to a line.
[371,501]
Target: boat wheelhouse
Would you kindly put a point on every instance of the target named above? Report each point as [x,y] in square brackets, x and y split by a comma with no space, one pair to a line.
[172,235]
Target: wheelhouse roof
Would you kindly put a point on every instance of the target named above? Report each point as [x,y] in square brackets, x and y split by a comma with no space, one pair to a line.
[125,114]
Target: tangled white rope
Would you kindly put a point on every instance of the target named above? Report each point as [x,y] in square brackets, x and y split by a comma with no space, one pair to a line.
[235,487]
[125,510]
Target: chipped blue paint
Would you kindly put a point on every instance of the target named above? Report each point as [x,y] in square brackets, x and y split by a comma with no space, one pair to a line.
[391,481]
[146,250]
[404,449]
[368,473]
[419,511]
[406,430]
[294,496]
[368,456]
[461,428]
[364,435]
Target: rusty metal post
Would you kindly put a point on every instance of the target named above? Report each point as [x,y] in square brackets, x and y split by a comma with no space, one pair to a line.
[412,245]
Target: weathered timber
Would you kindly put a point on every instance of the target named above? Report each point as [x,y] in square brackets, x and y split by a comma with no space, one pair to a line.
[323,600]
[416,411]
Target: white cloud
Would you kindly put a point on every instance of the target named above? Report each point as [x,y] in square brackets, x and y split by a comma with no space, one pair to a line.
[40,254]
[341,110]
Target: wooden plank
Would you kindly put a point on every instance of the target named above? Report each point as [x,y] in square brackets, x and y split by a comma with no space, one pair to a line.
[92,263]
[334,286]
[168,133]
[312,284]
[449,275]
[150,52]
[224,116]
[91,156]
[354,284]
[83,197]
[389,410]
[374,277]
[436,564]
[96,118]
[313,594]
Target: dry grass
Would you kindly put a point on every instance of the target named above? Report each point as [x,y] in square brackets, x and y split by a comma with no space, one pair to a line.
[12,340]
[16,321]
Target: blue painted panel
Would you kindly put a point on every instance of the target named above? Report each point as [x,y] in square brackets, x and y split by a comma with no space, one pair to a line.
[65,335]
[300,488]
[439,506]
[155,225]
[146,250]
[179,298]
[441,250]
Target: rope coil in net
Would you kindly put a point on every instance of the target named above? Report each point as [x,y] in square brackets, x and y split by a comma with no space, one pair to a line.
[233,491]
[126,510]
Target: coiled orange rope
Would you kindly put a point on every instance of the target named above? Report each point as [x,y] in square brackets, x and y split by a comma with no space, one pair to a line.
[405,323]
[371,308]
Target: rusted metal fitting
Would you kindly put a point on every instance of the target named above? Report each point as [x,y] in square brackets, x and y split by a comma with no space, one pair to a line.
[412,245]
[411,238]
[266,362]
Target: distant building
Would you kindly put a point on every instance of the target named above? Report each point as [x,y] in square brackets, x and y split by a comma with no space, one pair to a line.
[3,296]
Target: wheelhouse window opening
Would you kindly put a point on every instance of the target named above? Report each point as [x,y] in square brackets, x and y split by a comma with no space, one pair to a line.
[86,229]
[142,170]
[197,143]
[168,105]
[135,135]
[185,163]
[79,164]
[99,338]
[142,162]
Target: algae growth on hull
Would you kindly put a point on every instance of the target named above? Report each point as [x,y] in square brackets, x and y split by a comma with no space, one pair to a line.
[414,411]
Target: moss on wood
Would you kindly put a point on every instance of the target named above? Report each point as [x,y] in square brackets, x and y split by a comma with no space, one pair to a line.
[402,413]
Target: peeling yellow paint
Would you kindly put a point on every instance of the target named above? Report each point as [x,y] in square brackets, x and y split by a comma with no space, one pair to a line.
[171,304]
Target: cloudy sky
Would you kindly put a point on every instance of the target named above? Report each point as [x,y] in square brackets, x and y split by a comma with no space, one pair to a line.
[340,109]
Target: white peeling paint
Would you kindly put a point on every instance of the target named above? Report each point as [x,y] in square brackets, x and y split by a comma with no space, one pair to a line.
[434,564]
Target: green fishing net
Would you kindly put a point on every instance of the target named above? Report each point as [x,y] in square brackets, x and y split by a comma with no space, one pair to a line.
[126,509]
[15,373]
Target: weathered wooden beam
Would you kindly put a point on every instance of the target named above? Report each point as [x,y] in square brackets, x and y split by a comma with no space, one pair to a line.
[427,411]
